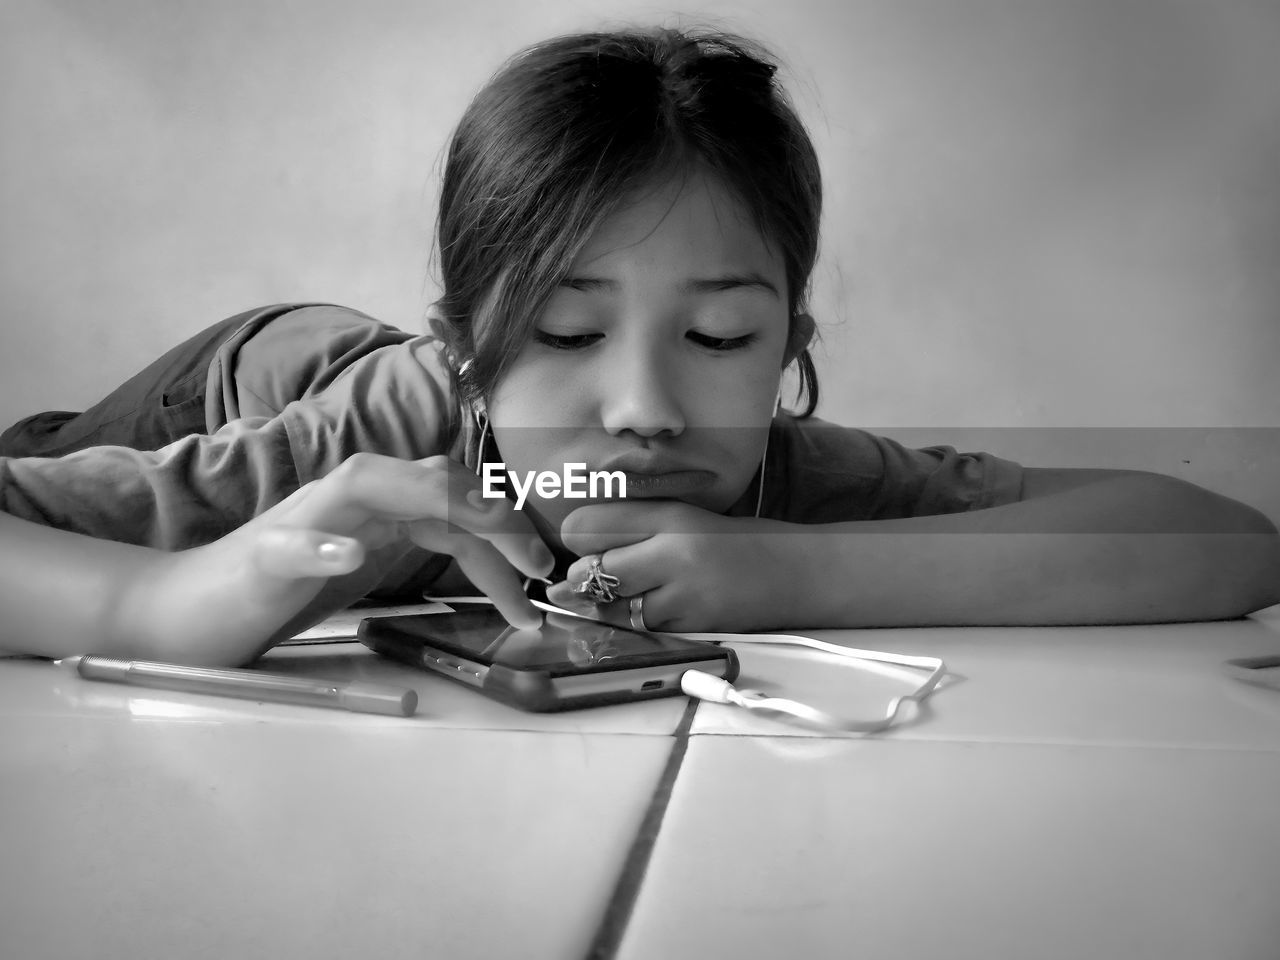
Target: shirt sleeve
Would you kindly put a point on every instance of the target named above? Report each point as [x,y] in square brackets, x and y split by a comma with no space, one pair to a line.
[830,474]
[296,355]
[395,401]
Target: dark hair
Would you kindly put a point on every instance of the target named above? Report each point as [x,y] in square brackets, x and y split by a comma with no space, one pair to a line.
[566,129]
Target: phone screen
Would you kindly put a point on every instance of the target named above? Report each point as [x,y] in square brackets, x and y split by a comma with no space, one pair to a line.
[562,645]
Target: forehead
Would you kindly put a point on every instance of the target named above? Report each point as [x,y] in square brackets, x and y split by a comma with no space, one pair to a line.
[687,223]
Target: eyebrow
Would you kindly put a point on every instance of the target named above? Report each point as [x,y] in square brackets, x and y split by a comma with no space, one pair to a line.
[717,284]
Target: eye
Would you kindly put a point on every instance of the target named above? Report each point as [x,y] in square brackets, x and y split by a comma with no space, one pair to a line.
[721,344]
[563,341]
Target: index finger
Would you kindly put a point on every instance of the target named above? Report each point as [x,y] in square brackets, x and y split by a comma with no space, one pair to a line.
[597,527]
[370,486]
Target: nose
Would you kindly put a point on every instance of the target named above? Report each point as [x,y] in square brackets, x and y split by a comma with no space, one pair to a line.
[639,392]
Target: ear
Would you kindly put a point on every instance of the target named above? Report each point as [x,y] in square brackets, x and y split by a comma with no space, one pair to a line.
[802,327]
[435,322]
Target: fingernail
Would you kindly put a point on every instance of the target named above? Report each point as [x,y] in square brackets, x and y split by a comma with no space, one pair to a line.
[333,551]
[562,595]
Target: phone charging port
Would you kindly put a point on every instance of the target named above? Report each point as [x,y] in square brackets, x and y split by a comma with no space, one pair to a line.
[650,685]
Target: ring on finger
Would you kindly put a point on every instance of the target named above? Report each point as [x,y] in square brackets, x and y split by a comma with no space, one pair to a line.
[599,587]
[636,608]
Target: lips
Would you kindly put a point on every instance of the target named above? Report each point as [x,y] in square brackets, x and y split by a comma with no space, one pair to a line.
[652,474]
[646,462]
[676,485]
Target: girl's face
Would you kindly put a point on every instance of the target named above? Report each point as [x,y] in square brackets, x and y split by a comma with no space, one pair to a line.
[659,355]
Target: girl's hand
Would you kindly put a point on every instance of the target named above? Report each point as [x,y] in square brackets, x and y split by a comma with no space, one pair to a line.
[326,546]
[697,571]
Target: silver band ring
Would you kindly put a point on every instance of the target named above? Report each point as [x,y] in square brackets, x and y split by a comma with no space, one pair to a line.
[636,607]
[599,587]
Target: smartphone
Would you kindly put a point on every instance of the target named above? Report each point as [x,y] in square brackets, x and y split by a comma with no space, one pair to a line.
[566,663]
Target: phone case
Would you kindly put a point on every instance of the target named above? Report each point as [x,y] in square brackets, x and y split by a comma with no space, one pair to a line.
[407,640]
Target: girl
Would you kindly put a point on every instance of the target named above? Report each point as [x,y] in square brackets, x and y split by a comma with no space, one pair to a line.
[628,222]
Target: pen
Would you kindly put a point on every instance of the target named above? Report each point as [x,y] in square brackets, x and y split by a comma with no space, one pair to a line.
[250,685]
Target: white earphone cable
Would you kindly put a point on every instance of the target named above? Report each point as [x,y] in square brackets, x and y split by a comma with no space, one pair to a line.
[704,686]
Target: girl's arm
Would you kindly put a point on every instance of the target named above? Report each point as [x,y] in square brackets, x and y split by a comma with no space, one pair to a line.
[226,602]
[59,591]
[1081,547]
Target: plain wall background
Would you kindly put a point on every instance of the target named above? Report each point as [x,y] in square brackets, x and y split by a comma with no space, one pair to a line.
[1040,214]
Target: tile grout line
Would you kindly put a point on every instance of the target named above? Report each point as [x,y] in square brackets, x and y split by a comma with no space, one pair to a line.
[617,913]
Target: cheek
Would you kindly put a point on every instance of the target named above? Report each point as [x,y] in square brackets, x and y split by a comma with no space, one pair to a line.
[535,393]
[519,398]
[747,405]
[742,396]
[526,416]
